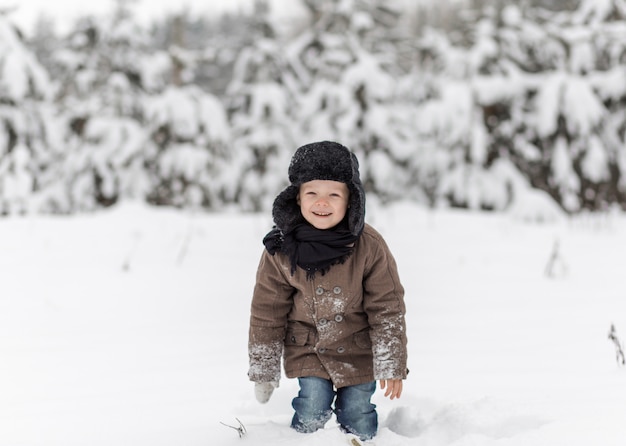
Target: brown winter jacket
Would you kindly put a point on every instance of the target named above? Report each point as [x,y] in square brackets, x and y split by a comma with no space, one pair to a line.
[347,325]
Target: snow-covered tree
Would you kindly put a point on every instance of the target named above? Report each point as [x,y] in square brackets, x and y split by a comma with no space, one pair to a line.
[187,151]
[462,90]
[519,104]
[101,94]
[572,116]
[28,124]
[262,110]
[347,67]
[185,128]
[535,89]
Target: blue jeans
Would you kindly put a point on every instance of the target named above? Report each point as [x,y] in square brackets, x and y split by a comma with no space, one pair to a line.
[355,413]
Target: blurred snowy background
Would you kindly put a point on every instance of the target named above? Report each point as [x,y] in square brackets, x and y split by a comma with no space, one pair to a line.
[143,142]
[488,105]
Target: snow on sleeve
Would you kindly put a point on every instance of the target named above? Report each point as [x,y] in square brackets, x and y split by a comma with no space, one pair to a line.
[389,349]
[264,358]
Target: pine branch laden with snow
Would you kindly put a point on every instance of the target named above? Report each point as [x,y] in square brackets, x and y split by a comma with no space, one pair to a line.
[21,75]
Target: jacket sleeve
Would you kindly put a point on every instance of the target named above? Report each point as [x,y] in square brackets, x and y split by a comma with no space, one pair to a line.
[271,303]
[384,304]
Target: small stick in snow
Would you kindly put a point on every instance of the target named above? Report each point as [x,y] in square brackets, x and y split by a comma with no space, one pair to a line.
[182,253]
[131,253]
[241,429]
[555,261]
[619,351]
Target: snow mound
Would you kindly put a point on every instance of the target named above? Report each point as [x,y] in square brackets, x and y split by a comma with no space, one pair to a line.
[535,206]
[461,423]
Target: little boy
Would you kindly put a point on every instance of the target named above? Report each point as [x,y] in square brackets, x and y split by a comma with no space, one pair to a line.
[327,298]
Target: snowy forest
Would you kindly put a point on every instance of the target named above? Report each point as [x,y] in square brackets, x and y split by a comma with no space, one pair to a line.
[517,105]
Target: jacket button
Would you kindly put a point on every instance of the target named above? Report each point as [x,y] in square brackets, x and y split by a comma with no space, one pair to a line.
[319,291]
[338,318]
[337,290]
[323,321]
[341,350]
[322,350]
[293,339]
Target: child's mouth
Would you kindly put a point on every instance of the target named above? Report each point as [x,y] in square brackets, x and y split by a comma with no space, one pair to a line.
[322,214]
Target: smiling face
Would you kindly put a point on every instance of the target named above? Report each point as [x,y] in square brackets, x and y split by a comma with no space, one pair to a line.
[323,203]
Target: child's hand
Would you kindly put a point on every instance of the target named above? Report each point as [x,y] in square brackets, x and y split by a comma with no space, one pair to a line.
[393,386]
[263,391]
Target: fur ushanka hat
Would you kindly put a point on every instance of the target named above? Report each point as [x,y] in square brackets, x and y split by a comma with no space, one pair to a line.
[323,160]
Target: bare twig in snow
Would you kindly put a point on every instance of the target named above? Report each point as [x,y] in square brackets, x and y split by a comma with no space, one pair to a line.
[241,429]
[556,266]
[619,351]
[184,247]
[131,252]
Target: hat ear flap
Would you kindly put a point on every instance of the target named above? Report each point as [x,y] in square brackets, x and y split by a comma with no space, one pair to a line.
[356,211]
[286,210]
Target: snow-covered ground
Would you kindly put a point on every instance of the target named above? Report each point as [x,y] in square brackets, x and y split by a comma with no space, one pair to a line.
[129,327]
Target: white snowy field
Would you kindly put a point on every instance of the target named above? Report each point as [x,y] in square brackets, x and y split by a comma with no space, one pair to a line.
[129,327]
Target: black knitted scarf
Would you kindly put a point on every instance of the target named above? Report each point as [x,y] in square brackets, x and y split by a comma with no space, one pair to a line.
[314,250]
